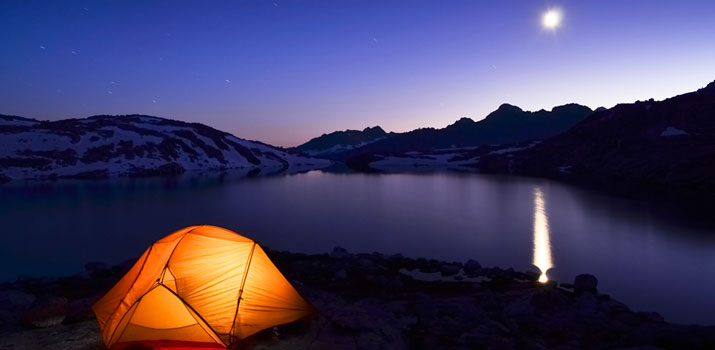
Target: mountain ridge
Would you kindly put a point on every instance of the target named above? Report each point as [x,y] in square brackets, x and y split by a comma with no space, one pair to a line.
[646,148]
[507,124]
[133,145]
[341,140]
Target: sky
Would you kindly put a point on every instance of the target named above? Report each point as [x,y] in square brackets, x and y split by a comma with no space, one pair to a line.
[283,72]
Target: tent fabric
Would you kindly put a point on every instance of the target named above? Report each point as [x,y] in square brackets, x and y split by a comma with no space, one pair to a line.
[198,287]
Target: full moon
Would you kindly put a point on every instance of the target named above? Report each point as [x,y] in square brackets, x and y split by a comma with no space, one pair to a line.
[551,19]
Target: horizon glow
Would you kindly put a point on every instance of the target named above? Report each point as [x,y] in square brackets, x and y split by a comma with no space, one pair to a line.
[285,72]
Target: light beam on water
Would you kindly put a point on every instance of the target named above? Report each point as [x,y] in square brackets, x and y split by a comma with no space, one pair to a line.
[542,243]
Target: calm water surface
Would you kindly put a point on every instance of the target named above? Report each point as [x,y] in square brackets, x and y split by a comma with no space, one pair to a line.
[654,258]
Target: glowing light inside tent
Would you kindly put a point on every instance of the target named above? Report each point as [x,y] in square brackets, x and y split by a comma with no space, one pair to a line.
[542,243]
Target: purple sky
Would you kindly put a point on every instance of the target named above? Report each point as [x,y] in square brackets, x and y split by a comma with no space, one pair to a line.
[284,72]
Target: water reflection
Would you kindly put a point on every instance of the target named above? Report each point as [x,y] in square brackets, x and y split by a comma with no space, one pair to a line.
[542,243]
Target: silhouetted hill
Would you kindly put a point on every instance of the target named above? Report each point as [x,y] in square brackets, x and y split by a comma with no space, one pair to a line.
[340,141]
[508,124]
[645,148]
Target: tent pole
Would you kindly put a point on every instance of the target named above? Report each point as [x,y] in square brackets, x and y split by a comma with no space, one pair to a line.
[240,292]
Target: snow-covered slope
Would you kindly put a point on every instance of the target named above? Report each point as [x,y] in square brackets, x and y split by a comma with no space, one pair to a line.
[135,145]
[466,158]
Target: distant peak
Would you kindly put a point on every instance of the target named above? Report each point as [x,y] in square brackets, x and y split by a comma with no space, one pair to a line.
[570,106]
[375,128]
[464,121]
[505,107]
[505,111]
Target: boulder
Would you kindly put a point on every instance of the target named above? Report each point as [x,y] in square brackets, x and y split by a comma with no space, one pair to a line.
[11,299]
[585,283]
[532,276]
[48,313]
[339,253]
[472,267]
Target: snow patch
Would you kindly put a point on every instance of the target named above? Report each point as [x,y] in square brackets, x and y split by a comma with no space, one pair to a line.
[565,169]
[16,121]
[673,131]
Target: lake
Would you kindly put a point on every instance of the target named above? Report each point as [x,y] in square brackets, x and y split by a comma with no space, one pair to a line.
[652,257]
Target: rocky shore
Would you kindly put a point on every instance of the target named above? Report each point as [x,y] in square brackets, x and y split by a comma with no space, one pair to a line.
[373,301]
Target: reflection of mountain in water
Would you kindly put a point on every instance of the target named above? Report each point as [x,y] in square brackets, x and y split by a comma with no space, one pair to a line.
[129,185]
[542,243]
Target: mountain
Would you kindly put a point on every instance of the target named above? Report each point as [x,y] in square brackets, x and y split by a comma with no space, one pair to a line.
[508,124]
[646,148]
[132,145]
[341,141]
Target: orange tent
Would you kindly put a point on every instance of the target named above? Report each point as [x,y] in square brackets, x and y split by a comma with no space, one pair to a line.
[199,287]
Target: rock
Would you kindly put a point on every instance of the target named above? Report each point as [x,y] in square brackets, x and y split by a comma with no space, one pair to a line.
[81,309]
[15,300]
[46,314]
[585,283]
[587,305]
[340,275]
[339,253]
[12,304]
[472,267]
[449,269]
[532,276]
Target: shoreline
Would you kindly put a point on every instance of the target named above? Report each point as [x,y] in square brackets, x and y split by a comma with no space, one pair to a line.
[368,301]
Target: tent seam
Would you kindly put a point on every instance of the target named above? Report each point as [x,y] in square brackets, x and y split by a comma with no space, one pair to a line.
[196,312]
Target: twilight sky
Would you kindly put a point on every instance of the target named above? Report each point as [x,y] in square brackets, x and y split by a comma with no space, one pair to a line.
[285,71]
